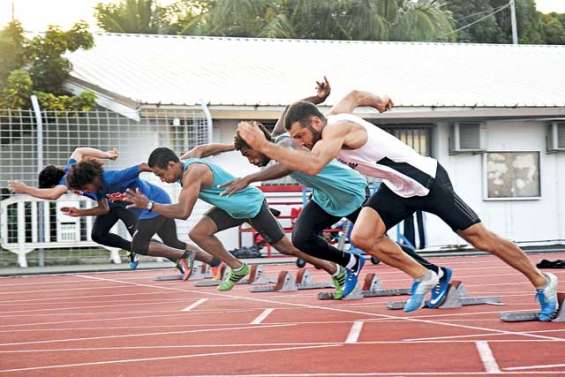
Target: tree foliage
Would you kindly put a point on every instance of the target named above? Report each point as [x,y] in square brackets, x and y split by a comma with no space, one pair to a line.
[533,26]
[399,20]
[38,66]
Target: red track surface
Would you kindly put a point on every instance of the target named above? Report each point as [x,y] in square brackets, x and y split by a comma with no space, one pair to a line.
[126,324]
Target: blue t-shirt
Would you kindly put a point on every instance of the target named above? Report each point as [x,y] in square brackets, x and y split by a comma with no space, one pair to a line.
[244,204]
[114,181]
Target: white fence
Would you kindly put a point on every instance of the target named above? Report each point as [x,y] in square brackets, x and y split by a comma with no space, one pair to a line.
[29,224]
[26,223]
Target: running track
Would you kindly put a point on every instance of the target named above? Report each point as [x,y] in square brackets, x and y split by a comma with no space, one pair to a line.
[126,324]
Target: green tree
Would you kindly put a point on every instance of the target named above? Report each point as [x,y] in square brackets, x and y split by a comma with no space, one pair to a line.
[338,19]
[553,29]
[12,46]
[132,16]
[38,66]
[496,28]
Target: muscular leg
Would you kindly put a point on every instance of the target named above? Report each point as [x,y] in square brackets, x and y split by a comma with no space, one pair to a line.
[203,234]
[142,243]
[101,231]
[369,234]
[168,233]
[483,239]
[306,235]
[286,247]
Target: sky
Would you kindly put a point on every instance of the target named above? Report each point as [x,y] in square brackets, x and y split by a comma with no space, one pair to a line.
[37,14]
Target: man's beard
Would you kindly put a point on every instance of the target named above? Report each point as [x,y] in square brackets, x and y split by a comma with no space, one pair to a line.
[316,136]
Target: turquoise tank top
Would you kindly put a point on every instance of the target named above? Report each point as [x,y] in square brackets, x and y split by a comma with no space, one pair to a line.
[337,189]
[243,204]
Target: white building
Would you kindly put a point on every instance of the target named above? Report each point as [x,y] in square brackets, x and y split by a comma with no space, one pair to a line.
[489,113]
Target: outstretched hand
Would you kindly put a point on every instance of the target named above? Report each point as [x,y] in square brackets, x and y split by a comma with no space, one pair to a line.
[192,153]
[136,198]
[323,89]
[17,187]
[384,105]
[71,211]
[113,154]
[253,136]
[234,186]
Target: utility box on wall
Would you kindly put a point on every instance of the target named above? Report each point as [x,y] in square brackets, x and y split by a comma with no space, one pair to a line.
[467,137]
[556,136]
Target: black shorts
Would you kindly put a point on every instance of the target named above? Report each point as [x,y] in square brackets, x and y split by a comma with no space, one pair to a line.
[441,201]
[264,223]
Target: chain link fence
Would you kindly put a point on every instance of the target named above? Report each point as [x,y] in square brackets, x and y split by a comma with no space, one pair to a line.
[24,151]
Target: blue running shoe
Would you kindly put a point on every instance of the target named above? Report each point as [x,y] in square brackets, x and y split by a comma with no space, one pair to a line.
[547,298]
[418,292]
[439,293]
[352,276]
[134,262]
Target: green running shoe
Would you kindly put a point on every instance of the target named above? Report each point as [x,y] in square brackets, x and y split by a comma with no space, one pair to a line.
[339,283]
[233,277]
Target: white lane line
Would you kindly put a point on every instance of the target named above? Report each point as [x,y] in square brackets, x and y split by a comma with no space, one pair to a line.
[261,317]
[328,308]
[487,357]
[109,362]
[366,343]
[195,304]
[354,333]
[536,367]
[141,335]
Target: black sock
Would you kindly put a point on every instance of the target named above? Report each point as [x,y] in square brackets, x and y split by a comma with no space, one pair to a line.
[215,262]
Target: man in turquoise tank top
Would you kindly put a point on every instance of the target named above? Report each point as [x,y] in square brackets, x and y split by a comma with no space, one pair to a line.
[202,179]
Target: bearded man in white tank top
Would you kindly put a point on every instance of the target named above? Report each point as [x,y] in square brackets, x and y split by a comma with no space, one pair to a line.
[410,182]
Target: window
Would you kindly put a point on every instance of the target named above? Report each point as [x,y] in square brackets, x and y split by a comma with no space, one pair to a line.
[418,137]
[511,175]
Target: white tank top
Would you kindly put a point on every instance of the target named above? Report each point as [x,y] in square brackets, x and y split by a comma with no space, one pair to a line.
[403,170]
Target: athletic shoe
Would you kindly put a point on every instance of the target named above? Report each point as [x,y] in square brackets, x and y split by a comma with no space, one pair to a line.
[439,293]
[339,283]
[547,298]
[134,261]
[187,263]
[352,276]
[234,277]
[419,291]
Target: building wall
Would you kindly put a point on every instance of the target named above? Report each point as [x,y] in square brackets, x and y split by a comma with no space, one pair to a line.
[519,220]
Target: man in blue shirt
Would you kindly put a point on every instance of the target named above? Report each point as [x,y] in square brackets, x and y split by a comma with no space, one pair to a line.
[90,177]
[53,185]
[201,179]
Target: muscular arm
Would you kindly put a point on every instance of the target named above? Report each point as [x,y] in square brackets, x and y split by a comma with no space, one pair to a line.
[358,98]
[81,153]
[102,209]
[206,150]
[52,193]
[310,162]
[272,172]
[193,180]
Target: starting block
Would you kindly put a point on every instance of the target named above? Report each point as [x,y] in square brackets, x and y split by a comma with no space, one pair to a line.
[371,288]
[285,283]
[304,280]
[256,277]
[534,316]
[456,297]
